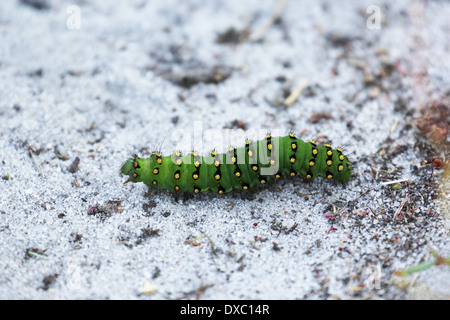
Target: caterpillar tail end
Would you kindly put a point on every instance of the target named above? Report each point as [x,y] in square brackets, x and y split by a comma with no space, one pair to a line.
[346,173]
[345,176]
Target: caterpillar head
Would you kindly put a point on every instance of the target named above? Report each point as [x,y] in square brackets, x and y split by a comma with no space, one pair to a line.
[132,169]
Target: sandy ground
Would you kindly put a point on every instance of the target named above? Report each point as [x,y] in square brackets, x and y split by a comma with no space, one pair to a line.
[85,84]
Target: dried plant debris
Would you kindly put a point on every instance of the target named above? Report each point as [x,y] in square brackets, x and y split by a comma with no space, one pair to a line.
[147,233]
[105,210]
[282,94]
[59,155]
[340,40]
[32,153]
[147,207]
[48,281]
[36,4]
[435,122]
[233,36]
[295,93]
[274,19]
[148,288]
[197,293]
[35,253]
[175,119]
[236,124]
[319,116]
[290,92]
[74,166]
[192,77]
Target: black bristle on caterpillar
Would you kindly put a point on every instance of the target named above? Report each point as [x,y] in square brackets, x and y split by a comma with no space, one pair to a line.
[243,168]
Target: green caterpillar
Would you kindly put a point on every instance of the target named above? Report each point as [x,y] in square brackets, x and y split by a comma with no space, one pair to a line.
[258,162]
